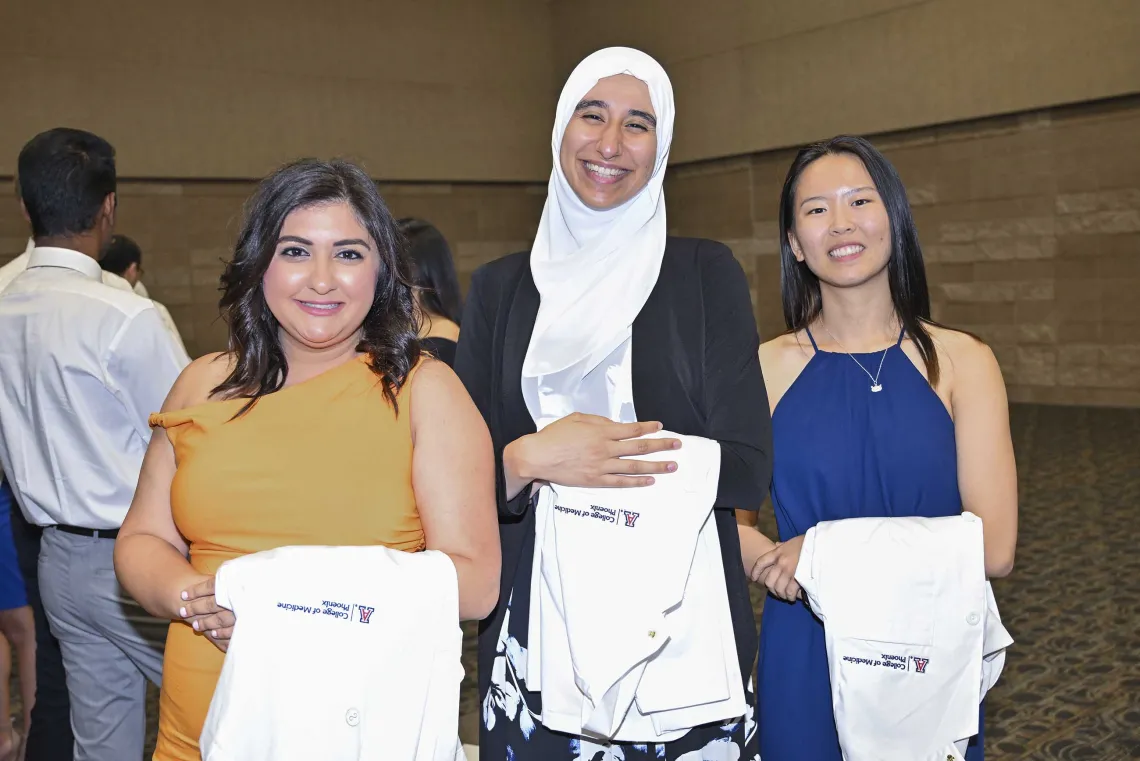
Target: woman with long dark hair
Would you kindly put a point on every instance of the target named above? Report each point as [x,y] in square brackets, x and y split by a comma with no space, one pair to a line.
[438,301]
[876,411]
[321,425]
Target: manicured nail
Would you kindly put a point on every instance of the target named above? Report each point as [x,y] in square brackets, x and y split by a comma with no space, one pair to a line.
[660,426]
[182,612]
[185,595]
[676,444]
[649,481]
[214,633]
[195,625]
[671,467]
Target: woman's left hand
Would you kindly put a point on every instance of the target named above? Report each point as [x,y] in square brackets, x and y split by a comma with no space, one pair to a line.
[776,569]
[201,610]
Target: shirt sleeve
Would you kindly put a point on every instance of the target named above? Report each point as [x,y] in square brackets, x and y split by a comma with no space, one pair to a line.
[474,362]
[142,367]
[735,397]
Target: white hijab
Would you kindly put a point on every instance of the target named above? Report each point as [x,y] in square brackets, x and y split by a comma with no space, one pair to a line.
[595,269]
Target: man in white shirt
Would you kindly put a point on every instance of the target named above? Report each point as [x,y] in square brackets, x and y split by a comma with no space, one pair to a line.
[81,367]
[124,281]
[123,257]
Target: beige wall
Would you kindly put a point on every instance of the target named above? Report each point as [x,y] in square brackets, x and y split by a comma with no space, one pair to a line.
[753,75]
[415,89]
[186,229]
[1030,226]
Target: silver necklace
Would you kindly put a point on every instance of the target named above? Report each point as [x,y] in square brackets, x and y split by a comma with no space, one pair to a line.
[876,387]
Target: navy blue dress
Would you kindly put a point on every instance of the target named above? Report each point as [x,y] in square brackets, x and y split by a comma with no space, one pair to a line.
[843,451]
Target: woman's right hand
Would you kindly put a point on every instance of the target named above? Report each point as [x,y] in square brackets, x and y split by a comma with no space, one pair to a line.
[589,451]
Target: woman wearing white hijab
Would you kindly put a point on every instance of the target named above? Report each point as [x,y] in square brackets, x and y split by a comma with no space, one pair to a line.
[605,302]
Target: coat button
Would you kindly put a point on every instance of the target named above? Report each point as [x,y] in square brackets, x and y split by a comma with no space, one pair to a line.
[973,619]
[352,717]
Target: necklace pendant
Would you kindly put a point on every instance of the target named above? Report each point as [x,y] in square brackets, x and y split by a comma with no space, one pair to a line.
[877,387]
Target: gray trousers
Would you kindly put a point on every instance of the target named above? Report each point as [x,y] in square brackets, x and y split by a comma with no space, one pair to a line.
[110,645]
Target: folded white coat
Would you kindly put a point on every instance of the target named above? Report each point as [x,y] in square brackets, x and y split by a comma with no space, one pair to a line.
[914,639]
[339,654]
[630,636]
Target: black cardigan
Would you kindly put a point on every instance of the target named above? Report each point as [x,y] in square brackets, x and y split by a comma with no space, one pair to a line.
[695,369]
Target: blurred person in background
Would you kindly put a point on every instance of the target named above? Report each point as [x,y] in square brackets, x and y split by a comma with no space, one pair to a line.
[438,299]
[124,258]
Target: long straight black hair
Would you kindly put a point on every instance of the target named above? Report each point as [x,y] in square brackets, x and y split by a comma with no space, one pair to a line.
[433,269]
[906,273]
[389,334]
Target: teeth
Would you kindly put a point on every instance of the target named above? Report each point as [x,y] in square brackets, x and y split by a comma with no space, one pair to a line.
[845,251]
[604,171]
[326,307]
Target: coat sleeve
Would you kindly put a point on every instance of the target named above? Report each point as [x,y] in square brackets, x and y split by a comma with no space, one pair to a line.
[736,401]
[477,356]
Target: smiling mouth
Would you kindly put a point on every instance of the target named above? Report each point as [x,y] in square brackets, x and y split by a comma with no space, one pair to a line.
[321,307]
[604,174]
[842,252]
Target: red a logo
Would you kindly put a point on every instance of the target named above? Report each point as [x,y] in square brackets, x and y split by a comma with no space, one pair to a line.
[920,664]
[365,614]
[631,518]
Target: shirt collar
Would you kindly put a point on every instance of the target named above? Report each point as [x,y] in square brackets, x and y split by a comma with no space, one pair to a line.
[30,247]
[47,256]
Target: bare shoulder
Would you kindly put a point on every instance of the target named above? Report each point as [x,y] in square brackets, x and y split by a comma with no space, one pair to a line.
[786,348]
[968,365]
[439,398]
[963,352]
[198,380]
[782,359]
[433,383]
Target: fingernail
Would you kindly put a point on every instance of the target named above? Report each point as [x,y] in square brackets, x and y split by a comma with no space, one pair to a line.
[660,426]
[195,625]
[671,467]
[649,482]
[182,612]
[214,633]
[185,595]
[676,444]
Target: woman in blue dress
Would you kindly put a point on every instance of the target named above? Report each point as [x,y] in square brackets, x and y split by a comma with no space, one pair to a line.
[876,411]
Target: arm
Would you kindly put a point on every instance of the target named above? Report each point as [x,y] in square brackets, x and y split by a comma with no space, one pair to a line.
[150,554]
[473,365]
[453,475]
[987,473]
[735,397]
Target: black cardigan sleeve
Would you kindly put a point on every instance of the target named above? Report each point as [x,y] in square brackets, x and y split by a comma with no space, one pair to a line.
[736,402]
[475,365]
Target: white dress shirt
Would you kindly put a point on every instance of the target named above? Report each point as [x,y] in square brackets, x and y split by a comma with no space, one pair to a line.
[368,635]
[82,366]
[913,635]
[13,268]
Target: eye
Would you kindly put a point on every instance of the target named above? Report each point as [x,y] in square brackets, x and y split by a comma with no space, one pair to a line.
[350,254]
[294,252]
[815,210]
[638,126]
[860,201]
[593,117]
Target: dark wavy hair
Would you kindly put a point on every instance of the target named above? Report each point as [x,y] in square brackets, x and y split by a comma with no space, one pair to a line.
[905,270]
[389,334]
[433,268]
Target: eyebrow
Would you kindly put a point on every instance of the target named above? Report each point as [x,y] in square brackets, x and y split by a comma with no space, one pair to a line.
[853,191]
[307,242]
[632,112]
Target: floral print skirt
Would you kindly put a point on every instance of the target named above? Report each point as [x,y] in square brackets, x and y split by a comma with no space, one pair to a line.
[511,733]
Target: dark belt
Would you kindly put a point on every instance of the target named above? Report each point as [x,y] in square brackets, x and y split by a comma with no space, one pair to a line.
[98,533]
